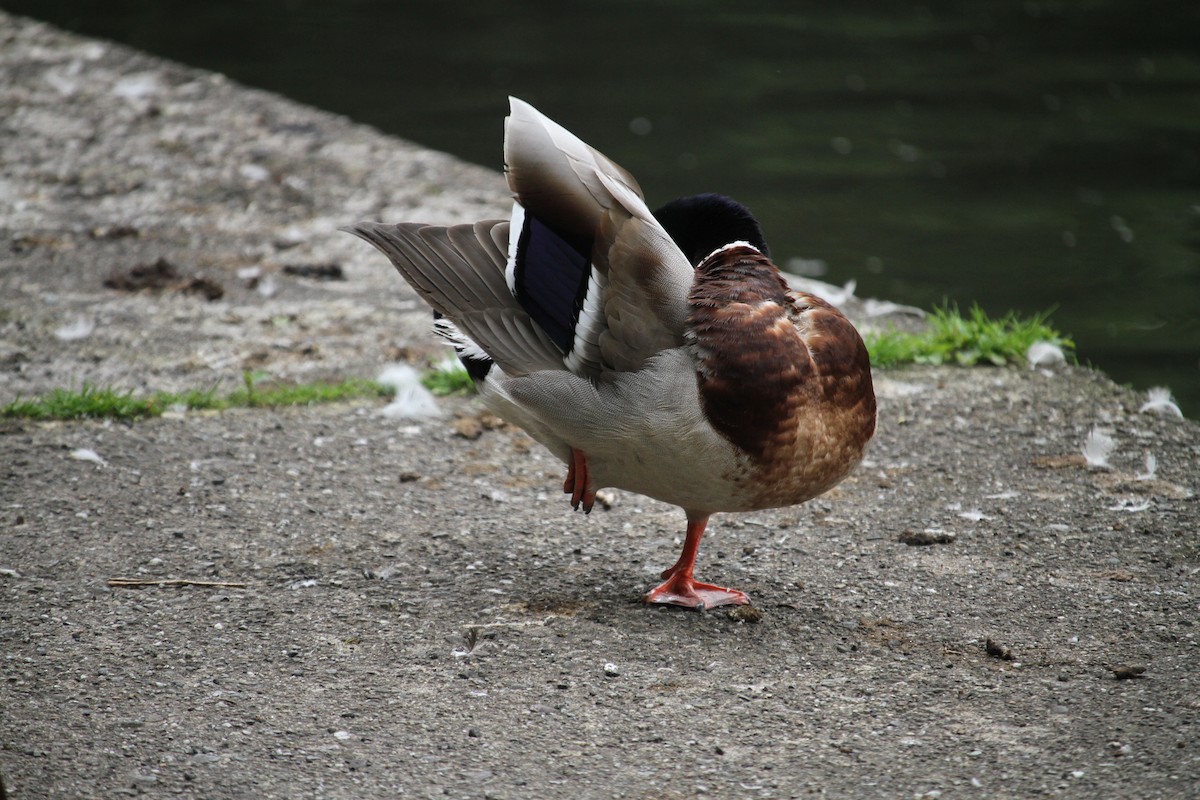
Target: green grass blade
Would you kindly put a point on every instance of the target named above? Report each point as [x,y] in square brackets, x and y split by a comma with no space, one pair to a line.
[90,402]
[952,338]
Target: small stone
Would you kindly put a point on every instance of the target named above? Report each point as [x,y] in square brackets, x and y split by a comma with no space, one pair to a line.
[606,498]
[1128,671]
[926,537]
[610,670]
[468,428]
[490,421]
[996,650]
[317,272]
[745,613]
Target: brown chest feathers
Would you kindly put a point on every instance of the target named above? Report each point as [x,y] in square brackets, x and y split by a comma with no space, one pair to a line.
[786,379]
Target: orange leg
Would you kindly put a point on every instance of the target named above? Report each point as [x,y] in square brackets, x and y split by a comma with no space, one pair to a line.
[569,483]
[681,589]
[579,482]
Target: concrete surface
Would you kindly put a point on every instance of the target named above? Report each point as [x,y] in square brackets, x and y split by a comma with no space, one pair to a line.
[367,608]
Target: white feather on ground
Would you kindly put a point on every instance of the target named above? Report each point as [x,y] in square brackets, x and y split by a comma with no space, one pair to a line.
[412,400]
[1044,354]
[1132,506]
[1097,448]
[87,454]
[1151,469]
[1160,401]
[80,328]
[834,295]
[881,308]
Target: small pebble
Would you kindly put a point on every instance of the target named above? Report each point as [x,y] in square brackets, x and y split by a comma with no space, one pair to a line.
[926,537]
[745,614]
[996,650]
[468,428]
[1127,671]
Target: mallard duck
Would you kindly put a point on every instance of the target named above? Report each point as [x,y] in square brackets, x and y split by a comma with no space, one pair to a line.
[661,353]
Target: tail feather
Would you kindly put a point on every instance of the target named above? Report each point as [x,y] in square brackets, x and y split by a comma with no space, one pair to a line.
[459,271]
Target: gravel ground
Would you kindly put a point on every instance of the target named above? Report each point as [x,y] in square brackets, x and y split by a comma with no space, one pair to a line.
[369,608]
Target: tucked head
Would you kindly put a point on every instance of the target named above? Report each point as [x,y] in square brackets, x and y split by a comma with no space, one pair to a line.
[701,223]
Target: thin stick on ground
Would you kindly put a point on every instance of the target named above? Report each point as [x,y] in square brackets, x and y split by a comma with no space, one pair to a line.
[132,582]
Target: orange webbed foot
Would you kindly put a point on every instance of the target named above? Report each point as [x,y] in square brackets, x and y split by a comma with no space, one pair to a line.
[679,587]
[682,590]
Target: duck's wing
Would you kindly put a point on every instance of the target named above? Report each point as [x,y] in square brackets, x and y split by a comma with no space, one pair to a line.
[459,271]
[582,227]
[553,173]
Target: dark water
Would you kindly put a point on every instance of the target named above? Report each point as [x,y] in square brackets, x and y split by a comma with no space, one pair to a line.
[1019,155]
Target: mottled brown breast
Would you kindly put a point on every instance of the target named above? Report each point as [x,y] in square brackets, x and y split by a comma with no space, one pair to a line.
[785,378]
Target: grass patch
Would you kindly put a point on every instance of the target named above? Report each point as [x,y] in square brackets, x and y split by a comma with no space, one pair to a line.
[91,402]
[257,394]
[306,394]
[449,378]
[974,338]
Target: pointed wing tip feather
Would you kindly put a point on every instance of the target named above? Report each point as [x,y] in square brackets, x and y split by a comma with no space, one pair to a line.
[517,106]
[362,230]
[523,115]
[380,235]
